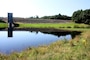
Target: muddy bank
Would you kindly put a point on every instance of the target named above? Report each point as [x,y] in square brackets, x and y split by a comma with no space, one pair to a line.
[41,29]
[38,29]
[58,32]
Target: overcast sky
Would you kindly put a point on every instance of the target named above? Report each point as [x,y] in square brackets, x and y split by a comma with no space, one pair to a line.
[28,8]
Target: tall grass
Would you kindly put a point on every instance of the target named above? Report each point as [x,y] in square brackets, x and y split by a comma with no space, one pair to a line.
[74,49]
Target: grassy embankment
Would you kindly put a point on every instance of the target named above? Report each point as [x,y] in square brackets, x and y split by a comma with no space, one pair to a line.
[3,25]
[66,26]
[76,49]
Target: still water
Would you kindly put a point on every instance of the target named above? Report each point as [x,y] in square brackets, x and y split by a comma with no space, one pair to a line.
[24,39]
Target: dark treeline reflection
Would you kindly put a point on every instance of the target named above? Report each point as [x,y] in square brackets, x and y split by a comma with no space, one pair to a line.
[72,33]
[56,33]
[52,31]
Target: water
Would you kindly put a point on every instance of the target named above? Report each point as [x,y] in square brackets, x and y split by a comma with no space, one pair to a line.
[21,40]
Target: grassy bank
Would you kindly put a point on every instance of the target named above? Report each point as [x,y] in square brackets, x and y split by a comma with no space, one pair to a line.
[3,25]
[76,49]
[66,26]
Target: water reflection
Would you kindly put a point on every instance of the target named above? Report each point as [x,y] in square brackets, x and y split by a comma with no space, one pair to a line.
[10,30]
[72,33]
[58,34]
[24,39]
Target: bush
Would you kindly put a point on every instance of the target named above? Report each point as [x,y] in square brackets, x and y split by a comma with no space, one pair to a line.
[2,21]
[69,27]
[76,26]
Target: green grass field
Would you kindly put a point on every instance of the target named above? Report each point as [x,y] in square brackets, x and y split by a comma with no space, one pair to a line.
[54,25]
[65,26]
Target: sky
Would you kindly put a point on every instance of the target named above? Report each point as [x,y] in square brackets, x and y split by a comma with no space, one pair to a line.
[28,8]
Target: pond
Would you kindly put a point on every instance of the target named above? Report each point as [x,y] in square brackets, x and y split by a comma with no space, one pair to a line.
[19,40]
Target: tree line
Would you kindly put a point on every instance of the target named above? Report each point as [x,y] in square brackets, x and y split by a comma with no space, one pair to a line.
[59,16]
[81,16]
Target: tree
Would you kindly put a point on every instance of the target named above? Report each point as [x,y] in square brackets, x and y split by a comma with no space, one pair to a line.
[45,17]
[1,20]
[32,17]
[87,16]
[76,17]
[81,16]
[59,16]
[37,16]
